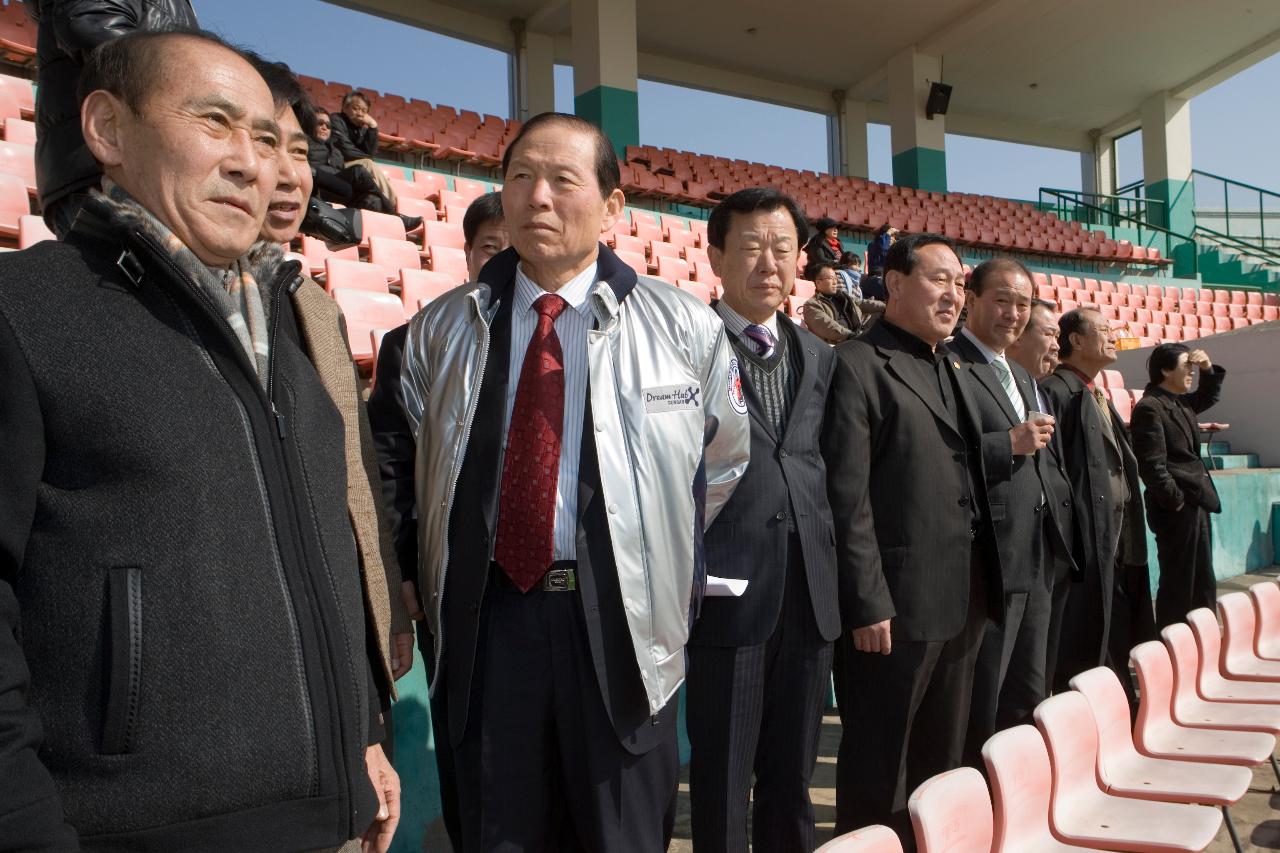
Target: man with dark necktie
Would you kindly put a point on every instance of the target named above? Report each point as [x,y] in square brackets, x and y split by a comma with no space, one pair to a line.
[915,546]
[577,427]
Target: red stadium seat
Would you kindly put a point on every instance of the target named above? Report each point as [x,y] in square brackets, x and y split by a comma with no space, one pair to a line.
[1213,681]
[1123,402]
[469,189]
[381,225]
[19,160]
[951,813]
[32,230]
[448,259]
[23,92]
[443,234]
[635,260]
[316,253]
[803,290]
[872,839]
[1021,785]
[1190,708]
[672,269]
[418,286]
[365,311]
[20,131]
[394,254]
[1239,641]
[702,291]
[1266,601]
[14,204]
[354,275]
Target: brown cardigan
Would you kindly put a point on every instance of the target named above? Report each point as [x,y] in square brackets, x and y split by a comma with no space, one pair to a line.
[325,338]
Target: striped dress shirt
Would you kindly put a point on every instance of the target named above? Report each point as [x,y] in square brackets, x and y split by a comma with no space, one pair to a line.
[571,328]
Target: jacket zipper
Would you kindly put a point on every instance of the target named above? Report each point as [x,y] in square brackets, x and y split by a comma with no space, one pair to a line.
[289,269]
[453,487]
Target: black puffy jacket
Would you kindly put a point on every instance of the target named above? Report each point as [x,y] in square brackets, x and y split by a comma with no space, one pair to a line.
[182,634]
[69,31]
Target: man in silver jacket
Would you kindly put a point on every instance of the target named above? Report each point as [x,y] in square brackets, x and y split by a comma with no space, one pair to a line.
[577,429]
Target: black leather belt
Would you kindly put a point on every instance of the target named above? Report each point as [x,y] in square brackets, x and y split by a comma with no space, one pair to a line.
[562,576]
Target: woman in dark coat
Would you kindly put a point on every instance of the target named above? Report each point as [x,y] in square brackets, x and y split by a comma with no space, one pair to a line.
[1180,494]
[824,245]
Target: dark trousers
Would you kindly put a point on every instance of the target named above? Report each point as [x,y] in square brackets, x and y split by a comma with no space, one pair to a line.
[1009,675]
[353,186]
[1185,547]
[449,814]
[758,710]
[904,717]
[1133,621]
[1059,570]
[540,767]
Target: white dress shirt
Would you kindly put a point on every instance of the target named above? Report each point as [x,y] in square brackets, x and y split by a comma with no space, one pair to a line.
[735,323]
[571,328]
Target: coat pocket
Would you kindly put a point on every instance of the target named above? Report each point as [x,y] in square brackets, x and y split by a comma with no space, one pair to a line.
[124,674]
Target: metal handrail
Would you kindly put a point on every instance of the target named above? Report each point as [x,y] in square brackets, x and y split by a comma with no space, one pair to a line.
[1234,182]
[1255,245]
[1142,225]
[1111,205]
[1241,247]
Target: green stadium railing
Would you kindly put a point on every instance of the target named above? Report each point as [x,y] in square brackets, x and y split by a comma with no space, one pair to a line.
[1069,204]
[1243,211]
[1100,208]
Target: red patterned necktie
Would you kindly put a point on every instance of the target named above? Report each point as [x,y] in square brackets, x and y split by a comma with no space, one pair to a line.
[527,506]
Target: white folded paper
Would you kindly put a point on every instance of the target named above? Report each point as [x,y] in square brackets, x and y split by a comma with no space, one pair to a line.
[726,587]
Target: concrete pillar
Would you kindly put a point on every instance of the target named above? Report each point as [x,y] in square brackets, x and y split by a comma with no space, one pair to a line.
[604,68]
[848,142]
[533,88]
[1166,161]
[1098,166]
[918,143]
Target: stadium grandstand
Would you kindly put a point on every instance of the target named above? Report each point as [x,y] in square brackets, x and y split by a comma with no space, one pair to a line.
[1156,266]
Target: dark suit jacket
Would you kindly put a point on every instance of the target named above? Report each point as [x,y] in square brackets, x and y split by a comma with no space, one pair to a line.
[1080,428]
[355,143]
[1013,482]
[1064,541]
[473,521]
[899,468]
[786,479]
[396,446]
[1166,439]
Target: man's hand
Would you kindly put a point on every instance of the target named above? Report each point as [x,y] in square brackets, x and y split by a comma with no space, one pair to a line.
[1200,359]
[1030,436]
[386,784]
[873,638]
[401,655]
[413,604]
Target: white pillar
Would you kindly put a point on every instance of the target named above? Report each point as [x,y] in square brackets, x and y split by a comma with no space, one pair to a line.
[918,142]
[1166,160]
[849,137]
[533,73]
[605,68]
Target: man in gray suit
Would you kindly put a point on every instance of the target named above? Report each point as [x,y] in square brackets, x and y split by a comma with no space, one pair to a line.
[1009,677]
[759,662]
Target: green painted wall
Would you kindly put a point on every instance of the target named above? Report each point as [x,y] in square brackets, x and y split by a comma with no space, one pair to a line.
[1178,211]
[921,168]
[616,111]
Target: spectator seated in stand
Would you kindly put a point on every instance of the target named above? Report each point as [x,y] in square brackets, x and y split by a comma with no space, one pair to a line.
[850,272]
[832,314]
[825,245]
[340,152]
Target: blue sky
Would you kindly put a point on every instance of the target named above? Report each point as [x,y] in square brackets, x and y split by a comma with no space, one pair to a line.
[1231,134]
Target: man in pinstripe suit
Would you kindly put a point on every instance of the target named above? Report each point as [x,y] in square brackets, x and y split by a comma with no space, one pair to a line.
[759,663]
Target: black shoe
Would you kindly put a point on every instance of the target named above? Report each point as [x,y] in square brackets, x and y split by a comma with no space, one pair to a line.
[339,228]
[411,223]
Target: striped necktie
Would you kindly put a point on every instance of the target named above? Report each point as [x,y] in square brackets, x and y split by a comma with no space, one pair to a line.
[1002,370]
[762,338]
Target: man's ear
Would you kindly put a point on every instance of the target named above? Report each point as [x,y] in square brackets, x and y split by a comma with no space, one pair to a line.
[716,257]
[101,117]
[614,207]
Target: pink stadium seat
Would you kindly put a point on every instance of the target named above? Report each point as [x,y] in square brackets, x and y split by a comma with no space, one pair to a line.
[1190,333]
[1266,602]
[1253,297]
[698,289]
[645,217]
[32,230]
[354,275]
[381,225]
[1112,379]
[469,189]
[1239,297]
[19,160]
[1081,813]
[410,206]
[1222,296]
[1221,324]
[803,290]
[635,260]
[1021,787]
[22,92]
[394,254]
[951,813]
[672,269]
[659,249]
[1240,659]
[316,253]
[365,311]
[1189,708]
[872,839]
[1158,735]
[20,131]
[448,234]
[703,273]
[13,204]
[418,286]
[447,259]
[409,189]
[433,181]
[1123,402]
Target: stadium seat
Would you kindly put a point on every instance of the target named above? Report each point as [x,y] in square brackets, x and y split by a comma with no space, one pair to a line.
[1212,682]
[394,255]
[443,234]
[672,269]
[365,311]
[20,131]
[1239,641]
[316,253]
[635,260]
[1112,379]
[411,206]
[19,160]
[469,189]
[702,291]
[1190,709]
[354,275]
[32,230]
[419,285]
[1123,403]
[448,259]
[23,92]
[381,225]
[1266,602]
[951,813]
[433,181]
[1158,735]
[871,839]
[1126,772]
[1021,786]
[14,204]
[1082,813]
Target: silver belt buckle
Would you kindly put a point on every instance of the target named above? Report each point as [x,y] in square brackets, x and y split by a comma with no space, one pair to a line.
[559,580]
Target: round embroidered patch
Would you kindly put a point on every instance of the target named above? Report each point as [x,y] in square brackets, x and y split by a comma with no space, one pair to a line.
[737,399]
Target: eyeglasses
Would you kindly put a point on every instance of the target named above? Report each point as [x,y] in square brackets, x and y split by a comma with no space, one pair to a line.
[322,124]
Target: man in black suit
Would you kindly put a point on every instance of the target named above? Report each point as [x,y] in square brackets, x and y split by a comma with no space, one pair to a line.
[1036,350]
[1009,677]
[759,663]
[915,547]
[1109,611]
[1180,493]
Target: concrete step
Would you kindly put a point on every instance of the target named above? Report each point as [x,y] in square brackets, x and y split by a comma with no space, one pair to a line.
[1231,461]
[1215,448]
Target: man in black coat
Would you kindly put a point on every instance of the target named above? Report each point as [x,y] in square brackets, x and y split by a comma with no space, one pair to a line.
[759,663]
[68,31]
[183,656]
[1180,494]
[1036,349]
[915,544]
[1009,678]
[1109,611]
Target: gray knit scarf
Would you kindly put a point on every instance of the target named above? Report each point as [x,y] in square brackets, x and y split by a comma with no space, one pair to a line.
[234,291]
